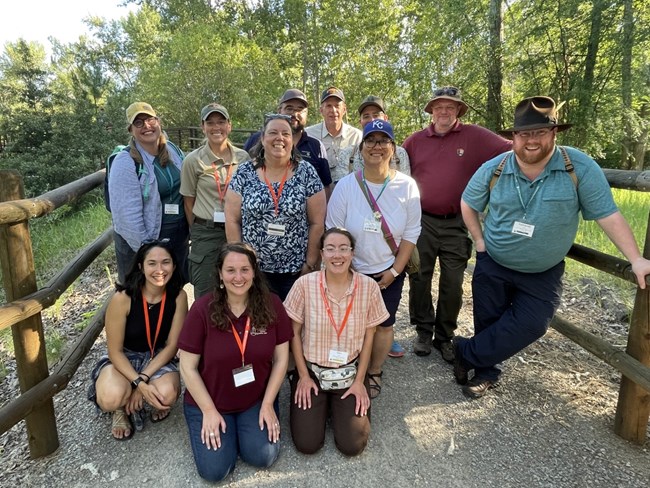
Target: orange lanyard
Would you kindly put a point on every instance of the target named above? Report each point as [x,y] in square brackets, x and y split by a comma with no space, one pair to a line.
[276,196]
[222,195]
[326,301]
[146,321]
[242,346]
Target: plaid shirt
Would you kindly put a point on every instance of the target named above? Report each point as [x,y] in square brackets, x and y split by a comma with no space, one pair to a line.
[305,305]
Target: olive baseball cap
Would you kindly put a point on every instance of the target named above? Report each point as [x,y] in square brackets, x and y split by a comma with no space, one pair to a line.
[214,107]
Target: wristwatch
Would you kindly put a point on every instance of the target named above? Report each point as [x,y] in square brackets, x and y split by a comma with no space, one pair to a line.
[136,382]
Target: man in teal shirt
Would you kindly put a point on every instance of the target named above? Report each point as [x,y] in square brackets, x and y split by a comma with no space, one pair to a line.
[533,202]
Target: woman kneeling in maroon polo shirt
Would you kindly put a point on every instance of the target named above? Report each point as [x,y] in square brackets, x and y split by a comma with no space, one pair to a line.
[234,355]
[334,314]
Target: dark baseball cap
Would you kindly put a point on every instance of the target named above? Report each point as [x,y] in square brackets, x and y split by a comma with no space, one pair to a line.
[332,91]
[372,100]
[293,94]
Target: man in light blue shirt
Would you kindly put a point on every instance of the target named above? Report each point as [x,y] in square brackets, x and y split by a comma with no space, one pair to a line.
[534,195]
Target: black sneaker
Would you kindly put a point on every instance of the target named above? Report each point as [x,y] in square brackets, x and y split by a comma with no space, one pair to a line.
[422,344]
[477,387]
[446,349]
[460,372]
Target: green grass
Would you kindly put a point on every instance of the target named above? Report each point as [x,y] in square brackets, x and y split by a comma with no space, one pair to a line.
[56,239]
[634,206]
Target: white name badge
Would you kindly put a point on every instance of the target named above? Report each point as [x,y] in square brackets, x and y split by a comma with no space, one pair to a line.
[171,208]
[372,226]
[275,230]
[338,357]
[523,229]
[219,217]
[243,375]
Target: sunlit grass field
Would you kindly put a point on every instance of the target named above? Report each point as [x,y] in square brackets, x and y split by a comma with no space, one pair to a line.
[634,205]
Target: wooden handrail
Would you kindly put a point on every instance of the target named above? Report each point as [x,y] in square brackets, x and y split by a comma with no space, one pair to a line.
[14,312]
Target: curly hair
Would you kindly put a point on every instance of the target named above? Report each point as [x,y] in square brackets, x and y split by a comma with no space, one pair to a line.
[259,305]
[135,279]
[257,151]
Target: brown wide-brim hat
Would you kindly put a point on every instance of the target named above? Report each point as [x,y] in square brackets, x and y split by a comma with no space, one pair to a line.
[535,113]
[449,93]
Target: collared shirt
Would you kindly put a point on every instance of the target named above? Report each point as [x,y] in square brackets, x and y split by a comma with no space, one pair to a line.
[401,163]
[305,305]
[348,136]
[550,203]
[198,181]
[442,164]
[135,217]
[311,149]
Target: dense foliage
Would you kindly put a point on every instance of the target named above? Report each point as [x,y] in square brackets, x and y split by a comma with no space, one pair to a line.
[60,117]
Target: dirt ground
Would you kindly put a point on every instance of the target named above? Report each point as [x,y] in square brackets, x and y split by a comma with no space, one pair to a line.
[548,424]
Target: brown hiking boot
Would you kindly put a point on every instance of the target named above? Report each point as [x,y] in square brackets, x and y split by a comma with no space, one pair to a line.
[422,344]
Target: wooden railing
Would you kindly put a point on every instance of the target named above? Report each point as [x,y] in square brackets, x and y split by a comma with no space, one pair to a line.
[38,386]
[189,138]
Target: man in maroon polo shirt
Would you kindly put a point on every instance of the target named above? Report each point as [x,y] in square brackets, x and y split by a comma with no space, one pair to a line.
[444,156]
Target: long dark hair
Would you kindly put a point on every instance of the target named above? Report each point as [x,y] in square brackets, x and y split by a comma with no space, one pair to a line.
[259,306]
[135,279]
[257,151]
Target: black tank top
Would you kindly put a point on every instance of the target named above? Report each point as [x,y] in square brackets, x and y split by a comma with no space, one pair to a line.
[135,334]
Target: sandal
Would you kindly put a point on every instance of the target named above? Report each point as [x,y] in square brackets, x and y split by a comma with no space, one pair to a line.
[121,421]
[373,385]
[158,415]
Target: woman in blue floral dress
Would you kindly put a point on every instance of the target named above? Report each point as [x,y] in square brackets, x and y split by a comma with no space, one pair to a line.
[276,203]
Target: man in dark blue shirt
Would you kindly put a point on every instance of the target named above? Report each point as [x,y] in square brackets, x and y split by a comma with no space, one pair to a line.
[294,103]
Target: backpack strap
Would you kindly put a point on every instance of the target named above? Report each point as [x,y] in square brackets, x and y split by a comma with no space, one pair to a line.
[499,170]
[568,166]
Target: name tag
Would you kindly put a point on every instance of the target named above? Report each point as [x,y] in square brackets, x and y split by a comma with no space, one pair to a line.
[243,375]
[275,230]
[338,357]
[219,217]
[171,209]
[372,226]
[523,229]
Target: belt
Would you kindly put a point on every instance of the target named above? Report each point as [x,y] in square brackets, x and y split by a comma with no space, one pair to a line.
[439,216]
[209,223]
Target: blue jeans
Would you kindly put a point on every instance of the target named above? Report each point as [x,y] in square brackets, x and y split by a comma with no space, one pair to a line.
[511,311]
[242,437]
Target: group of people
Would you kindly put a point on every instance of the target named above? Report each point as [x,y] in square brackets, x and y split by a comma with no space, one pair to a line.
[299,251]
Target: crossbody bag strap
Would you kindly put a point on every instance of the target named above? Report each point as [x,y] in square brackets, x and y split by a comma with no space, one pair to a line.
[390,240]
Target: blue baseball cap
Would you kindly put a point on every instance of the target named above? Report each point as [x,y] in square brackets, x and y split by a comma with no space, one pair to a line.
[378,125]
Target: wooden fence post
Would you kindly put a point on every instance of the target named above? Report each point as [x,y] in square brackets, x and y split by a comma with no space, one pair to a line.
[19,279]
[633,408]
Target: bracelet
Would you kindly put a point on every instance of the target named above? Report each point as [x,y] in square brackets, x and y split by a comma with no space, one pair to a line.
[145,374]
[394,272]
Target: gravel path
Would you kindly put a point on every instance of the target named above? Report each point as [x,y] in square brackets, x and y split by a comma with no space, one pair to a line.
[548,424]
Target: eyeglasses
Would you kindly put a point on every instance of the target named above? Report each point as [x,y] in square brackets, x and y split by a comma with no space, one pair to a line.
[537,134]
[369,116]
[450,91]
[270,117]
[139,123]
[164,240]
[290,109]
[383,143]
[332,250]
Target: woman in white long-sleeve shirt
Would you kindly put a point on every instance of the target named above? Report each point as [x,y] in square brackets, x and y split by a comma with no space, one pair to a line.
[144,188]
